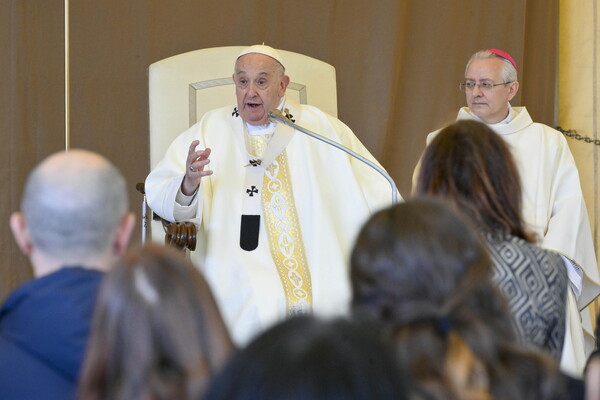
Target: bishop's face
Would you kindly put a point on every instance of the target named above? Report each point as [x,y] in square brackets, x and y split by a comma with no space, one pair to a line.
[490,105]
[260,84]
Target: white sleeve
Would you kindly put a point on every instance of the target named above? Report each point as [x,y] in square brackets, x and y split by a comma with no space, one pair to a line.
[568,230]
[164,182]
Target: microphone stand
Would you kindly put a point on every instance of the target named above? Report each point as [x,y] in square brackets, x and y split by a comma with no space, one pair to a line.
[277,117]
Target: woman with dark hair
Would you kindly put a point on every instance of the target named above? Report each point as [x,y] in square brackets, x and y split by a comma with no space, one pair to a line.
[156,333]
[423,272]
[471,166]
[306,358]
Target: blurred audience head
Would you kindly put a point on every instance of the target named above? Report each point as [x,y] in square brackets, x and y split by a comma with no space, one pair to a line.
[157,332]
[420,269]
[73,212]
[307,358]
[422,253]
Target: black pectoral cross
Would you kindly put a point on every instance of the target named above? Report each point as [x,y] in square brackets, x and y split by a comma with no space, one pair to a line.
[252,191]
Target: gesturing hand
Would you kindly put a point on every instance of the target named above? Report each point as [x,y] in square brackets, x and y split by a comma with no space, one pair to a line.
[195,165]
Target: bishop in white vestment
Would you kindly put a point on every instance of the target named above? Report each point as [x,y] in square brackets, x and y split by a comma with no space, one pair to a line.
[553,203]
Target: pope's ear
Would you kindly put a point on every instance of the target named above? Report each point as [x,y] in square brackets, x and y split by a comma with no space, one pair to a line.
[285,81]
[18,226]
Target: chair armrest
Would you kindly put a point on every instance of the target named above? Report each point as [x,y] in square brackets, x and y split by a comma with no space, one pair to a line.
[182,235]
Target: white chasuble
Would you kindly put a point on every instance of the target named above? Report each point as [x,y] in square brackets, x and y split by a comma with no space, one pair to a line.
[333,196]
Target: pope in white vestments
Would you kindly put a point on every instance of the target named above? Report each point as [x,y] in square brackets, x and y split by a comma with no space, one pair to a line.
[277,211]
[553,203]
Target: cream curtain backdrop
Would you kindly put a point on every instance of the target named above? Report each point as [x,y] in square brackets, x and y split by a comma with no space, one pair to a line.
[398,65]
[578,91]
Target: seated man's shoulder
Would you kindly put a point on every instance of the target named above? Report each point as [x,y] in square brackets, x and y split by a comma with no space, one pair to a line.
[43,329]
[432,135]
[548,131]
[23,376]
[527,251]
[309,112]
[543,136]
[220,114]
[217,118]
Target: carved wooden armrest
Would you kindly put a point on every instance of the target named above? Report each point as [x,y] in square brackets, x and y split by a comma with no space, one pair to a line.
[179,234]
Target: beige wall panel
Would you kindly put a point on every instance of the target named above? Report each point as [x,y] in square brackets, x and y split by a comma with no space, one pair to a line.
[578,95]
[31,110]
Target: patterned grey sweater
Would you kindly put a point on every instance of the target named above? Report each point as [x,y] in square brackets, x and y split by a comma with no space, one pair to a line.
[535,282]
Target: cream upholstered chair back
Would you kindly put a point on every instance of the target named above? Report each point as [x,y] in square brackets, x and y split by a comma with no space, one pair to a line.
[183,87]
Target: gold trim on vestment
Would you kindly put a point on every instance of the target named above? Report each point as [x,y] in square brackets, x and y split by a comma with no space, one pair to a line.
[283,230]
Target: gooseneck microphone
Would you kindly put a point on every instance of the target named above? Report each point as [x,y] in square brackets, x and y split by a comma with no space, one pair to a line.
[277,116]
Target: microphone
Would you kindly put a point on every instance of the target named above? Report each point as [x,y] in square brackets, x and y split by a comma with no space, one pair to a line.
[277,116]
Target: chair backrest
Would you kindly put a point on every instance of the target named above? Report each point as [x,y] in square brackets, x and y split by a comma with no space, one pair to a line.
[183,87]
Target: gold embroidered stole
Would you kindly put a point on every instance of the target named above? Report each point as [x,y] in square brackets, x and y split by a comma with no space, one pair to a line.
[283,229]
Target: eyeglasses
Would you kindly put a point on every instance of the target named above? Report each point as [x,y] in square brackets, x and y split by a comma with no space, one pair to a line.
[484,86]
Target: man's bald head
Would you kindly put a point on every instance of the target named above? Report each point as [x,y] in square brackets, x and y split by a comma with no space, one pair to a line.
[73,203]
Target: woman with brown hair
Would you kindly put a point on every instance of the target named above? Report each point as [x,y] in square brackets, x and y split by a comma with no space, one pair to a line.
[422,271]
[471,166]
[309,358]
[156,333]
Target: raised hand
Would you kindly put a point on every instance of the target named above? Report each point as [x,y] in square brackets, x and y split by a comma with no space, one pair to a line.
[195,168]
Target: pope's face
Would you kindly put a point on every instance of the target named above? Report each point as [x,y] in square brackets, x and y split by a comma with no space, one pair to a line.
[259,86]
[490,105]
